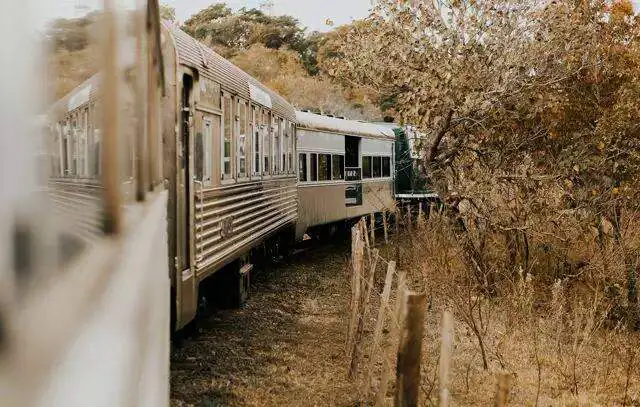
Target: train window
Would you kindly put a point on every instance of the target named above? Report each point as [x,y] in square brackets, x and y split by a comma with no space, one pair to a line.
[386,166]
[324,167]
[314,167]
[338,167]
[256,141]
[58,148]
[199,154]
[266,144]
[290,145]
[74,146]
[242,139]
[277,143]
[227,139]
[285,144]
[377,167]
[203,152]
[302,168]
[366,167]
[84,146]
[97,153]
[68,150]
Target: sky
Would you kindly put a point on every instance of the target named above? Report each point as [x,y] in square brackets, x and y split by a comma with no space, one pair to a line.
[312,13]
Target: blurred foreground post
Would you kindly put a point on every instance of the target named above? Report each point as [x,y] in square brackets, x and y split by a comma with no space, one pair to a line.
[410,352]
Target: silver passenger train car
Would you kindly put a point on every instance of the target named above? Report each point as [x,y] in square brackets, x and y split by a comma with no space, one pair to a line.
[345,170]
[227,158]
[229,149]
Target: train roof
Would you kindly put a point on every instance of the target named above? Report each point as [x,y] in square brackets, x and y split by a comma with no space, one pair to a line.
[194,54]
[83,93]
[330,124]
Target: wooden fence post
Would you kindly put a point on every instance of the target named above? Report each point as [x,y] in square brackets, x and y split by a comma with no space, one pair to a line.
[409,352]
[409,217]
[446,346]
[356,263]
[365,235]
[394,331]
[384,225]
[382,312]
[502,390]
[420,220]
[373,229]
[398,213]
[366,282]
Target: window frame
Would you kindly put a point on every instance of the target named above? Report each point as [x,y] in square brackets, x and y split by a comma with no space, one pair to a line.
[227,122]
[302,159]
[242,120]
[341,158]
[377,167]
[313,167]
[328,171]
[370,174]
[386,174]
[265,126]
[256,145]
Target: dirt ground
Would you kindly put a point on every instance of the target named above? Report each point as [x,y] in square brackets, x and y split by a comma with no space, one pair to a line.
[285,348]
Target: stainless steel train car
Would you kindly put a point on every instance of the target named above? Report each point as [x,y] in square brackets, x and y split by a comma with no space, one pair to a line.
[345,170]
[229,149]
[227,159]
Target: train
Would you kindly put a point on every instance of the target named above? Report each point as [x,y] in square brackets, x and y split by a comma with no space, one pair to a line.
[246,173]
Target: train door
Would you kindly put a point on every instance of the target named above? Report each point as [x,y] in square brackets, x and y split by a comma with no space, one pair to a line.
[353,171]
[187,293]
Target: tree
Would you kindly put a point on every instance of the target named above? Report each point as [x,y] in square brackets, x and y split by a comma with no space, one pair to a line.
[219,27]
[530,108]
[167,13]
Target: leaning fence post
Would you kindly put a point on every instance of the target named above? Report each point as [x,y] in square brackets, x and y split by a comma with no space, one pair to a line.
[502,390]
[445,357]
[373,229]
[409,352]
[384,225]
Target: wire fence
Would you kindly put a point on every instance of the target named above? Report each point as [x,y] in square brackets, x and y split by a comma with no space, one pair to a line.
[386,322]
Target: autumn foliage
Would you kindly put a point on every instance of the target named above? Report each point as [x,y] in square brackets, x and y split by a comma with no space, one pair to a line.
[530,116]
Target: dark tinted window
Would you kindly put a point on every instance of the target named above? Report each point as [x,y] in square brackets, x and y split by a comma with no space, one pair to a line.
[366,167]
[324,167]
[338,167]
[314,167]
[199,157]
[386,166]
[302,168]
[377,167]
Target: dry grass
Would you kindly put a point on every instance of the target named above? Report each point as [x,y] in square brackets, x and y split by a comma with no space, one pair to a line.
[562,342]
[286,348]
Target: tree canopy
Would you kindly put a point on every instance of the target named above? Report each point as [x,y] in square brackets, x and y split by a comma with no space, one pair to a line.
[228,32]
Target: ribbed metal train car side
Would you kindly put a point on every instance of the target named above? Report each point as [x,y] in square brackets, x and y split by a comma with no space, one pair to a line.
[345,192]
[223,211]
[74,147]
